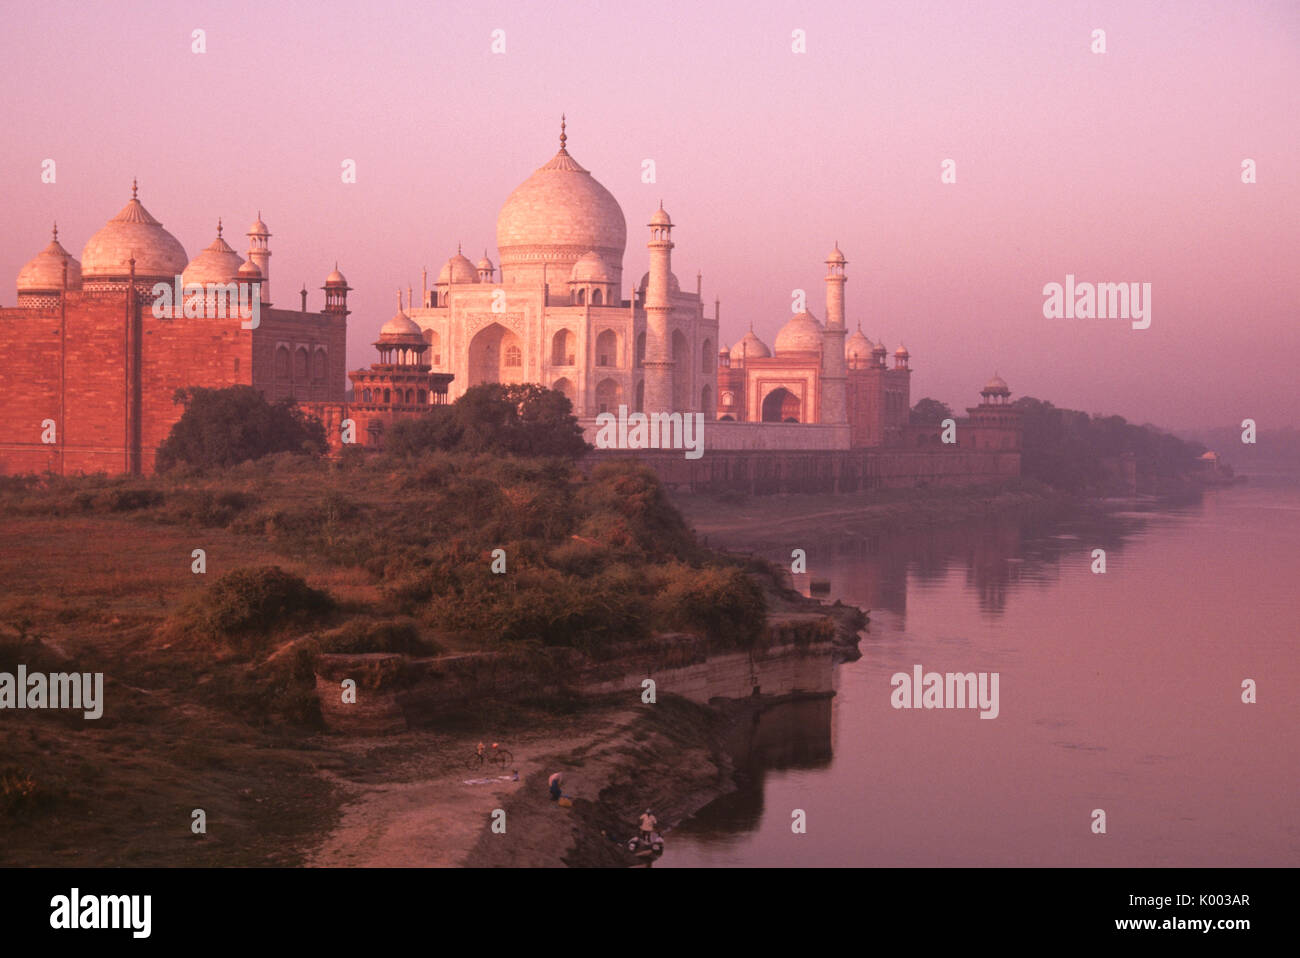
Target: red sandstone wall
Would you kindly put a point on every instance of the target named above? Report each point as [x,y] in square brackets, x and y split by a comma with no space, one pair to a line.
[173,353]
[298,329]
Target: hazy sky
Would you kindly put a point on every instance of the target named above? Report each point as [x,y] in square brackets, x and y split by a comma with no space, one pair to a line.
[1116,167]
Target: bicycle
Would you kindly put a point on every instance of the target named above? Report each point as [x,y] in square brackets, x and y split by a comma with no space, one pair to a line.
[496,755]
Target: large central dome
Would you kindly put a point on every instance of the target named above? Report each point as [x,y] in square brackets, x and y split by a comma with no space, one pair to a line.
[554,217]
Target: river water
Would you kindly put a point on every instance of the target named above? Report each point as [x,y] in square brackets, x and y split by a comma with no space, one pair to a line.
[1119,691]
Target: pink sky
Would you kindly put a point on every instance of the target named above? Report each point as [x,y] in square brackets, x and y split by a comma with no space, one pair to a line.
[1116,167]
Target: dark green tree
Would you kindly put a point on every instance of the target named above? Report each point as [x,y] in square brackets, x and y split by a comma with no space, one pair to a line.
[928,411]
[221,427]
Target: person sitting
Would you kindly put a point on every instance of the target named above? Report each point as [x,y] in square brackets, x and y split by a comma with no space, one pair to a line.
[554,783]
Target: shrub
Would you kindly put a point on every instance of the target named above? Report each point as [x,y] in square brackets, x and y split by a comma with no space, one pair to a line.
[244,606]
[719,603]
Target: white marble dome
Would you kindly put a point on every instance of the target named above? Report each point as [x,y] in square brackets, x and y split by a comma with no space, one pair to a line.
[218,263]
[858,347]
[589,268]
[803,334]
[673,285]
[459,269]
[133,233]
[555,216]
[402,329]
[750,347]
[43,273]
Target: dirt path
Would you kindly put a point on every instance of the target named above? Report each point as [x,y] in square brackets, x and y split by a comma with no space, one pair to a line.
[423,814]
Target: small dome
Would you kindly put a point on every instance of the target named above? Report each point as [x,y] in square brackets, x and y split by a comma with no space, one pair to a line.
[44,272]
[835,256]
[750,347]
[589,268]
[803,334]
[459,269]
[673,285]
[997,385]
[258,228]
[660,217]
[133,233]
[879,349]
[858,346]
[218,263]
[901,352]
[250,271]
[485,263]
[335,278]
[401,327]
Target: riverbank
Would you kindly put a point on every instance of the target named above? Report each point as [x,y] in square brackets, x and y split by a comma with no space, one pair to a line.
[756,523]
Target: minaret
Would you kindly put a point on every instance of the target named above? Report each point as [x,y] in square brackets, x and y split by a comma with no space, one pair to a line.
[834,401]
[658,356]
[260,253]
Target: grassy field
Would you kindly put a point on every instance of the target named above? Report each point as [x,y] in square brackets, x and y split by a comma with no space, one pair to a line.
[209,690]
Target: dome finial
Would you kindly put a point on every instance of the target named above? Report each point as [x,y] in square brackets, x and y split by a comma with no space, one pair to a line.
[563,136]
[134,187]
[218,227]
[458,252]
[399,299]
[56,231]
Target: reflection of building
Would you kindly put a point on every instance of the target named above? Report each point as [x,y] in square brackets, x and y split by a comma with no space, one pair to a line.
[88,372]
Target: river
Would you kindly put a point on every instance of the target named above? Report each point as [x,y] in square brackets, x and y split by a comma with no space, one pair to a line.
[1119,691]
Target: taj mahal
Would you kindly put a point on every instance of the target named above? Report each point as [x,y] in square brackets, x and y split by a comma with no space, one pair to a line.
[553,311]
[89,370]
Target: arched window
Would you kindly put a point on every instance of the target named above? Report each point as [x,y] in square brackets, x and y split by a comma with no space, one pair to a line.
[607,348]
[421,397]
[365,395]
[514,356]
[282,362]
[318,364]
[582,297]
[564,348]
[388,396]
[595,297]
[410,396]
[300,364]
[708,357]
[640,350]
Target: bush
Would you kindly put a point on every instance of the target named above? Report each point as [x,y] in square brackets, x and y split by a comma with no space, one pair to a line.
[718,603]
[372,635]
[242,608]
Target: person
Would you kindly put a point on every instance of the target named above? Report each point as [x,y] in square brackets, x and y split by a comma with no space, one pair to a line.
[648,823]
[479,752]
[554,782]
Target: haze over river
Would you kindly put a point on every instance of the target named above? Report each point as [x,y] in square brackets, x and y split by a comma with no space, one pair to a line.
[1120,691]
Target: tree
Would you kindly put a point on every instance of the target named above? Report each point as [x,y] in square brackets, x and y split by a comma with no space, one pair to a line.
[221,427]
[928,411]
[521,419]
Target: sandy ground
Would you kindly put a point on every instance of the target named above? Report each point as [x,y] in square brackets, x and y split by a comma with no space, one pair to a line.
[423,814]
[417,810]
